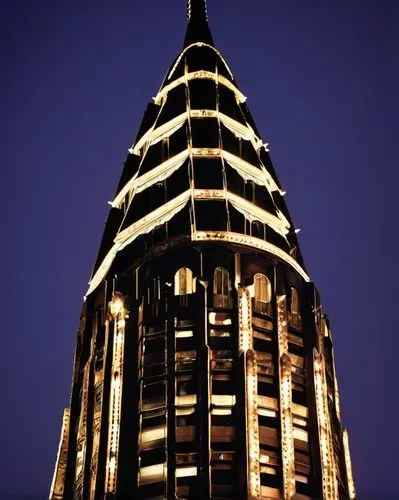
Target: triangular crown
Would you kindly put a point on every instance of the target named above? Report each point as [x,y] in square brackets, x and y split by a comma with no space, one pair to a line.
[198,168]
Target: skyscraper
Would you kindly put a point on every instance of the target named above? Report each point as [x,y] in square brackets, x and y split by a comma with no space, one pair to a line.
[204,364]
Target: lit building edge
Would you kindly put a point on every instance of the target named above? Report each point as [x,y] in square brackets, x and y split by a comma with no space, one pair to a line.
[57,485]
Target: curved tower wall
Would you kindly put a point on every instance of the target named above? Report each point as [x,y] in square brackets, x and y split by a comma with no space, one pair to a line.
[204,362]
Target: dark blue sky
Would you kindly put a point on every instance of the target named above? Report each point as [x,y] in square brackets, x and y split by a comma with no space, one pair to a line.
[321,79]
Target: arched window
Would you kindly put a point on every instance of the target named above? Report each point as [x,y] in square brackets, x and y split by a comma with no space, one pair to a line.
[263,294]
[184,282]
[221,288]
[294,301]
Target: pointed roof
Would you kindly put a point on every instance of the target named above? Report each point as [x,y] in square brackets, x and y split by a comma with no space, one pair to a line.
[197,29]
[198,167]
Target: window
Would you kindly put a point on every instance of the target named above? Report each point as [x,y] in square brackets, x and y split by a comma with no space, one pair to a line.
[219,318]
[153,395]
[153,474]
[267,407]
[263,294]
[186,471]
[184,282]
[269,461]
[221,288]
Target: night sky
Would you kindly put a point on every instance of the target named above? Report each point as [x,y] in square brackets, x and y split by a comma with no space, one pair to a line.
[321,79]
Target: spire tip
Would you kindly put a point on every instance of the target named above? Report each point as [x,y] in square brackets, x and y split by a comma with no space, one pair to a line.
[197,10]
[197,29]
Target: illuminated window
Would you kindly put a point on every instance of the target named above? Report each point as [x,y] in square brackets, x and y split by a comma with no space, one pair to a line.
[154,436]
[186,471]
[263,294]
[267,407]
[300,434]
[184,334]
[186,400]
[294,301]
[270,472]
[223,456]
[263,289]
[219,318]
[219,333]
[153,474]
[225,400]
[302,466]
[184,282]
[184,340]
[221,287]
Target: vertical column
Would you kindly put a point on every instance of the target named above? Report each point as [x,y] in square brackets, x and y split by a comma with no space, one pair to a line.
[204,460]
[81,441]
[328,467]
[348,466]
[253,426]
[170,405]
[57,485]
[336,397]
[118,314]
[251,392]
[285,379]
[327,333]
[97,414]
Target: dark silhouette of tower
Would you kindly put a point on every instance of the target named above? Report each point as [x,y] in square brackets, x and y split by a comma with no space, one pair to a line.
[204,363]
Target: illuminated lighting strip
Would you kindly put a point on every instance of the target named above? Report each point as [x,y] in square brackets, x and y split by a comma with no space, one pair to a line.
[157,174]
[205,152]
[58,482]
[336,392]
[245,320]
[348,465]
[251,391]
[287,435]
[246,208]
[336,398]
[144,225]
[199,75]
[156,134]
[250,241]
[246,170]
[198,44]
[155,218]
[82,437]
[253,213]
[261,177]
[102,270]
[115,402]
[328,467]
[254,485]
[245,132]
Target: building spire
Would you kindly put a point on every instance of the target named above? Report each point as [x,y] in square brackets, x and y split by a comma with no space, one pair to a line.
[197,29]
[197,9]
